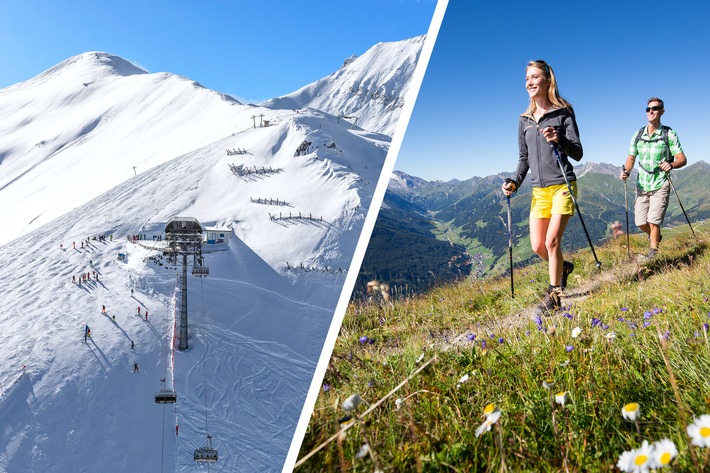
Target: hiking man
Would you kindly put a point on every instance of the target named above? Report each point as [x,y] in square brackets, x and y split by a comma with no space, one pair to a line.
[659,151]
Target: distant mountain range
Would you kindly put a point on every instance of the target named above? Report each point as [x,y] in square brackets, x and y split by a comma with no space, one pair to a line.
[429,232]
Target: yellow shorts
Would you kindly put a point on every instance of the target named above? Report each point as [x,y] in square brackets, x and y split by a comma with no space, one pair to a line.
[552,200]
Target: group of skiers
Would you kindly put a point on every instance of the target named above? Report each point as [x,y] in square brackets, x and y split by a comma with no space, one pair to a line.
[104,311]
[84,277]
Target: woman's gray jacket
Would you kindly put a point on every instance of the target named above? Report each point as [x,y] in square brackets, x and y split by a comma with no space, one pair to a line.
[537,155]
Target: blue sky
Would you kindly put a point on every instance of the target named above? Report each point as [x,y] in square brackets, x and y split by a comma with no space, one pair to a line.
[254,50]
[609,57]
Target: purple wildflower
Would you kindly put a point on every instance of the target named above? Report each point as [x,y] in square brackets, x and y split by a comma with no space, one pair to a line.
[442,299]
[500,340]
[595,322]
[371,341]
[527,332]
[706,327]
[483,344]
[647,315]
[569,348]
[624,309]
[370,383]
[492,336]
[647,324]
[363,340]
[326,387]
[605,326]
[657,310]
[471,337]
[667,334]
[621,319]
[568,315]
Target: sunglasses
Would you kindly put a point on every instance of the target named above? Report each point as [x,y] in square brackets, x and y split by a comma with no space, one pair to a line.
[544,65]
[655,108]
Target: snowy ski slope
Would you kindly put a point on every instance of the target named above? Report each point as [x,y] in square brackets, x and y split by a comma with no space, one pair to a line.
[96,146]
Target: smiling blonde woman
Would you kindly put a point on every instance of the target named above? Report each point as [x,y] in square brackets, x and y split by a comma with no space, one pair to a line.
[548,122]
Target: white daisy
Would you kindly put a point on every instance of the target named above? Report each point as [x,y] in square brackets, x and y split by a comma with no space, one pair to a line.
[352,402]
[576,331]
[362,453]
[463,379]
[663,452]
[631,411]
[611,335]
[490,409]
[548,384]
[399,402]
[637,461]
[562,397]
[486,426]
[699,431]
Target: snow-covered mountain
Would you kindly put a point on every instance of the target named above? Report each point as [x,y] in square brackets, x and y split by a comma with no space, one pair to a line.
[368,90]
[96,147]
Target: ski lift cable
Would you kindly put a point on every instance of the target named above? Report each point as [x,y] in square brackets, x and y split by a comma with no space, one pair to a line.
[204,364]
[162,443]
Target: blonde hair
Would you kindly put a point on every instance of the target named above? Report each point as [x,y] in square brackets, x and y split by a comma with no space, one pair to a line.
[553,94]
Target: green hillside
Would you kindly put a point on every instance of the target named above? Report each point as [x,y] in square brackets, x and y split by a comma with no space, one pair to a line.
[473,214]
[464,379]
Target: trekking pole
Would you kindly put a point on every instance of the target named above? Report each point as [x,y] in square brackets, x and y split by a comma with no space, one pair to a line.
[569,187]
[510,249]
[668,175]
[626,204]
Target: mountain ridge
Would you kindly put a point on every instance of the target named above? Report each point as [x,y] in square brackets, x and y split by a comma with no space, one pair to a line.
[91,161]
[473,215]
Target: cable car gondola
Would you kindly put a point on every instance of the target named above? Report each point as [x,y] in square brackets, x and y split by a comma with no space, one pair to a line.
[206,454]
[200,271]
[165,396]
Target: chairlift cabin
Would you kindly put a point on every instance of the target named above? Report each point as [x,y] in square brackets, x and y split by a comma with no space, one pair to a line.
[165,396]
[200,271]
[206,454]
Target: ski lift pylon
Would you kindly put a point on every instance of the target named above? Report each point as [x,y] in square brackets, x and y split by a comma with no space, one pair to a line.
[206,454]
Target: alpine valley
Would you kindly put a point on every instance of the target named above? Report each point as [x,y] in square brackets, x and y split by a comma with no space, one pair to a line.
[431,232]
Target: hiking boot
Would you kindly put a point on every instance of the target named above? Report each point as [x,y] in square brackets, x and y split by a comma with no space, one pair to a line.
[550,303]
[567,268]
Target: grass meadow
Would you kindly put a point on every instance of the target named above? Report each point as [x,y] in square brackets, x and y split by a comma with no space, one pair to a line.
[464,379]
